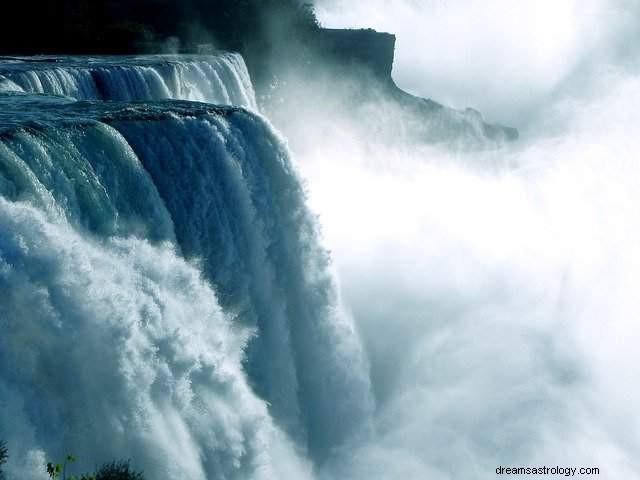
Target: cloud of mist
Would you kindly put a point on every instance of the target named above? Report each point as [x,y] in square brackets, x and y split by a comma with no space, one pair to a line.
[494,291]
[501,57]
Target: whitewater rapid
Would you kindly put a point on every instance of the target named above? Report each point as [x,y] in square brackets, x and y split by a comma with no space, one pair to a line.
[164,295]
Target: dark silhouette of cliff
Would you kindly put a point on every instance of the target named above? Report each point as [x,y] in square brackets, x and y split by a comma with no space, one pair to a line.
[142,26]
[348,73]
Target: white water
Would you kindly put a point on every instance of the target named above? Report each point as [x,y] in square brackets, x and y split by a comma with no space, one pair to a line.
[218,79]
[117,349]
[7,85]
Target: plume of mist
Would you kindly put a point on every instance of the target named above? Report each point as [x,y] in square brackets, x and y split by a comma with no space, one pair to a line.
[495,294]
[494,290]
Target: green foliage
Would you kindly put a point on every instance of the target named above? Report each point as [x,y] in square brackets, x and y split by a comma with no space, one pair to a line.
[4,455]
[54,469]
[111,471]
[59,470]
[118,471]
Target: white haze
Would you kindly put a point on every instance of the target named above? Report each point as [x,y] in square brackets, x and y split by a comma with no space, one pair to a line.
[496,292]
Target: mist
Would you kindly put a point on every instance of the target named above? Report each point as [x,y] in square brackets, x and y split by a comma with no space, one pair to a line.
[495,289]
[503,58]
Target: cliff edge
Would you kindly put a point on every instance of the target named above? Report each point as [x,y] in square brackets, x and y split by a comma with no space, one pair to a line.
[344,72]
[374,52]
[360,48]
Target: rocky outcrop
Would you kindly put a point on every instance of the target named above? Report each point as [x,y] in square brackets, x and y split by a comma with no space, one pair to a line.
[352,70]
[360,48]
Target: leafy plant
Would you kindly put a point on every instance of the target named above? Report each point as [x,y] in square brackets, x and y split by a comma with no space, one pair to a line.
[118,471]
[59,470]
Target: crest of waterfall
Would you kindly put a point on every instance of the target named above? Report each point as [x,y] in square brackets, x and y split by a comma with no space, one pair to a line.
[7,85]
[219,79]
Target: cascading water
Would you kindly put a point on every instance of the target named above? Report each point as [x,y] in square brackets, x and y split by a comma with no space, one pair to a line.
[219,79]
[7,85]
[163,294]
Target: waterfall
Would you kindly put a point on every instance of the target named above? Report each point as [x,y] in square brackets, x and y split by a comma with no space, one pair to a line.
[217,79]
[163,292]
[116,348]
[7,85]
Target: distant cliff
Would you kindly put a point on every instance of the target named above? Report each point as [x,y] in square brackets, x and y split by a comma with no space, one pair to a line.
[363,48]
[351,70]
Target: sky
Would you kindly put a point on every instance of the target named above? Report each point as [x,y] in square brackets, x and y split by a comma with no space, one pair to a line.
[501,57]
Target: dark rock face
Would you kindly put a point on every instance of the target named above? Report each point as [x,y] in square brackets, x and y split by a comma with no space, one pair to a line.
[361,48]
